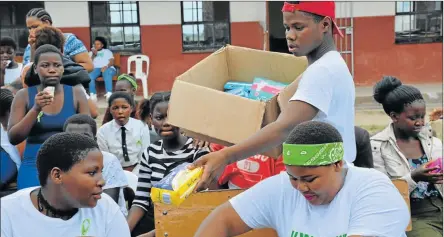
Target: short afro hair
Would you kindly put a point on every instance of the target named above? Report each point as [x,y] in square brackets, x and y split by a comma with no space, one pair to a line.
[314,132]
[81,119]
[102,40]
[8,41]
[63,150]
[47,48]
[394,96]
[120,95]
[49,35]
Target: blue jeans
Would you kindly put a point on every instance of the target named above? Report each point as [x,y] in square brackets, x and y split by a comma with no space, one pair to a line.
[107,78]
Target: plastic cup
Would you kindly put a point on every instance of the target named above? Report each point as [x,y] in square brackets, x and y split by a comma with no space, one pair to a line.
[50,90]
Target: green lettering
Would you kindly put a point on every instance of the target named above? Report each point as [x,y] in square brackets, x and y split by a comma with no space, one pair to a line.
[294,234]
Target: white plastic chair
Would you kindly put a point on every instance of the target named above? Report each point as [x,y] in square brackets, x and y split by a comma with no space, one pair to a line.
[140,73]
[132,180]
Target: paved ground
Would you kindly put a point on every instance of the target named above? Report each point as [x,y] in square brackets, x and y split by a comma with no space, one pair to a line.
[369,114]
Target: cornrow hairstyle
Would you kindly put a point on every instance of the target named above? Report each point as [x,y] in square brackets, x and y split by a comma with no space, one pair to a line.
[157,98]
[49,35]
[63,150]
[40,14]
[316,18]
[6,98]
[129,78]
[47,48]
[81,119]
[120,95]
[102,40]
[394,96]
[314,132]
[8,41]
[144,109]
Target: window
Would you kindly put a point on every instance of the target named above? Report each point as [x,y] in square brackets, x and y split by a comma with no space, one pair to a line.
[118,22]
[418,22]
[205,25]
[13,21]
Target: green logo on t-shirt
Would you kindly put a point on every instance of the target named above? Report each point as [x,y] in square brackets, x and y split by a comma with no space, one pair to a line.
[300,234]
[85,226]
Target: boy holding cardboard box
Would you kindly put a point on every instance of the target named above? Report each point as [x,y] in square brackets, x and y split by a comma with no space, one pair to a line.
[325,92]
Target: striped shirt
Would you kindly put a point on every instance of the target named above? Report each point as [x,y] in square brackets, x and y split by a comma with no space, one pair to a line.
[158,165]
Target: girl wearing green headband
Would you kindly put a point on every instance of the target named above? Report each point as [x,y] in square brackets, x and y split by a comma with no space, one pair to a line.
[318,195]
[126,83]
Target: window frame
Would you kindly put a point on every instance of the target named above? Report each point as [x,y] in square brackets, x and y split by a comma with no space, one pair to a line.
[421,39]
[109,25]
[203,49]
[12,6]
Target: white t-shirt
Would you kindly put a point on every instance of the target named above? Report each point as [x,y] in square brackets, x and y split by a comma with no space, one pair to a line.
[115,178]
[19,218]
[12,74]
[9,148]
[102,58]
[328,85]
[368,204]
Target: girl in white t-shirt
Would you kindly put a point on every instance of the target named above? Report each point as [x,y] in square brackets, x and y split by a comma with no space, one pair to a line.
[9,69]
[103,60]
[70,201]
[319,195]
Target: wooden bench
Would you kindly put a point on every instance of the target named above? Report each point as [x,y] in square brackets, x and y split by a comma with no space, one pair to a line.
[183,221]
[116,65]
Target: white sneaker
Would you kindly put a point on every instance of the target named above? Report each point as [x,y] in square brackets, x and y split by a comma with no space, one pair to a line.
[107,95]
[93,97]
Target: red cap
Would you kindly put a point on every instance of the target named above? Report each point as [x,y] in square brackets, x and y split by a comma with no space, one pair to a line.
[322,8]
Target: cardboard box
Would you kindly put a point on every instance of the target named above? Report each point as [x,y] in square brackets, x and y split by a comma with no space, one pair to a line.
[203,110]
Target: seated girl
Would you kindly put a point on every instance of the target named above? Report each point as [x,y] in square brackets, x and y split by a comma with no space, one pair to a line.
[9,69]
[40,111]
[160,158]
[125,83]
[10,157]
[70,201]
[405,148]
[319,195]
[103,60]
[125,137]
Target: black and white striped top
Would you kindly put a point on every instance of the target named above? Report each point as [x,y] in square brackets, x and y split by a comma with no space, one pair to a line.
[158,165]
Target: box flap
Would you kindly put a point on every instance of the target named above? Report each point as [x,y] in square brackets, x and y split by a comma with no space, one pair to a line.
[214,113]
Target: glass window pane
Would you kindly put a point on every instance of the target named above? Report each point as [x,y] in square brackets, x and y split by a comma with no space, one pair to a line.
[128,18]
[127,6]
[207,11]
[134,16]
[100,13]
[115,7]
[134,6]
[221,34]
[5,15]
[402,23]
[221,11]
[116,18]
[199,4]
[187,15]
[128,35]
[20,35]
[117,37]
[187,5]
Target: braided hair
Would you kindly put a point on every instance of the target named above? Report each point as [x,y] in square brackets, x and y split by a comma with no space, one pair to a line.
[6,98]
[159,97]
[394,96]
[63,150]
[40,14]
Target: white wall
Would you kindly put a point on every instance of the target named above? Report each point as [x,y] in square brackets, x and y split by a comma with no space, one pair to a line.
[68,14]
[159,13]
[364,9]
[248,11]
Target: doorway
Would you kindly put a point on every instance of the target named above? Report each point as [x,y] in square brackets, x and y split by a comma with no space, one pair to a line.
[276,38]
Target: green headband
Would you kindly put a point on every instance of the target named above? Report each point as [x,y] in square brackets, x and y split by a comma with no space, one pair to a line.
[312,155]
[129,78]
